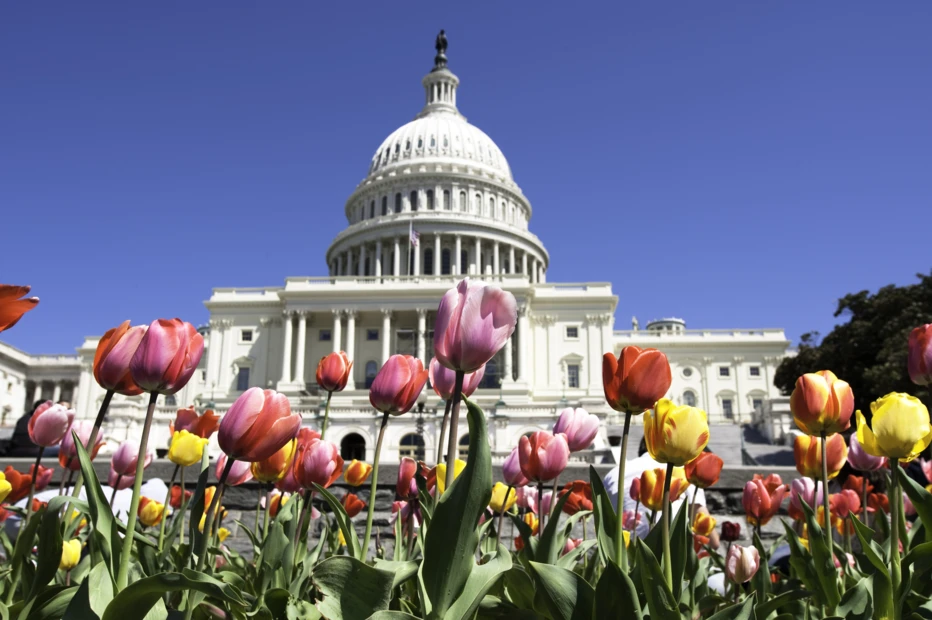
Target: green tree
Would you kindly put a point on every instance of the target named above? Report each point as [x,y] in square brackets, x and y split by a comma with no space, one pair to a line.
[868,350]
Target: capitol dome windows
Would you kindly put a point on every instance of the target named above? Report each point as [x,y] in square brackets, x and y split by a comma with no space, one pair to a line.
[398,202]
[428,262]
[384,205]
[372,209]
[412,200]
[430,200]
[372,369]
[445,262]
[462,201]
[446,200]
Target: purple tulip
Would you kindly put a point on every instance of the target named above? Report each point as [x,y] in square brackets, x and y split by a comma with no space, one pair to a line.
[68,453]
[240,472]
[49,423]
[861,460]
[804,490]
[116,481]
[511,471]
[579,426]
[399,382]
[167,356]
[474,321]
[443,380]
[123,460]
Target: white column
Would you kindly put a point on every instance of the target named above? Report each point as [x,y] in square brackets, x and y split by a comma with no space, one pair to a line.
[286,359]
[421,333]
[496,265]
[739,399]
[339,265]
[347,264]
[56,392]
[533,269]
[396,259]
[378,258]
[361,269]
[511,259]
[417,259]
[524,264]
[437,254]
[302,342]
[477,261]
[386,334]
[509,363]
[457,267]
[81,395]
[351,344]
[542,273]
[524,337]
[36,393]
[336,336]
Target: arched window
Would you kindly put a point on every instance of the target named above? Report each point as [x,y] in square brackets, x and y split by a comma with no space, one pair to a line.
[446,200]
[412,446]
[398,202]
[477,206]
[428,262]
[491,212]
[413,200]
[463,205]
[430,200]
[371,370]
[353,446]
[384,205]
[464,448]
[372,209]
[689,398]
[445,262]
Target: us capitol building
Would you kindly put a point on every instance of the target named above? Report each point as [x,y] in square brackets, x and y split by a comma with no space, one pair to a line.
[445,182]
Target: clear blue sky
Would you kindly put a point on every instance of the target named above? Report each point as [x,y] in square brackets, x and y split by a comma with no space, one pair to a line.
[737,164]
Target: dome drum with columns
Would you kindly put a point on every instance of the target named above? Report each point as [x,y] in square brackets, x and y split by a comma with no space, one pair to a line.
[448,183]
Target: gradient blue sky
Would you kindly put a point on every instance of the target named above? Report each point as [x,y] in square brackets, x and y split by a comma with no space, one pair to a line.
[738,164]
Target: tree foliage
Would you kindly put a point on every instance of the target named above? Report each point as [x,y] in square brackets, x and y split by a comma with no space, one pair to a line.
[868,350]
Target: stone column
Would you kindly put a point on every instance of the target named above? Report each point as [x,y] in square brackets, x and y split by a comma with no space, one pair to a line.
[396,259]
[56,392]
[477,261]
[524,338]
[417,258]
[302,342]
[351,344]
[347,263]
[286,359]
[533,269]
[509,364]
[437,251]
[378,258]
[336,336]
[457,267]
[36,393]
[524,264]
[386,334]
[421,335]
[361,268]
[511,259]
[339,265]
[496,265]
[704,374]
[738,397]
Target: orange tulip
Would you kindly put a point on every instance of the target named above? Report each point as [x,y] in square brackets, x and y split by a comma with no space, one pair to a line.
[580,496]
[807,451]
[703,523]
[357,473]
[856,484]
[150,512]
[772,482]
[878,501]
[276,503]
[203,425]
[652,481]
[822,403]
[111,359]
[636,380]
[20,482]
[704,470]
[12,307]
[352,505]
[333,371]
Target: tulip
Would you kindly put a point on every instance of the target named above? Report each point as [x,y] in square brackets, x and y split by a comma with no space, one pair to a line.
[878,501]
[167,356]
[580,496]
[458,467]
[822,403]
[352,505]
[532,522]
[118,481]
[209,493]
[635,491]
[652,481]
[357,473]
[12,306]
[150,512]
[317,462]
[856,484]
[675,434]
[278,499]
[274,468]
[703,523]
[240,471]
[631,518]
[222,534]
[511,470]
[909,509]
[258,425]
[70,554]
[398,384]
[474,321]
[636,380]
[807,451]
[68,453]
[804,490]
[20,482]
[407,510]
[114,352]
[176,497]
[186,448]
[861,460]
[844,503]
[920,355]
[546,503]
[503,498]
[443,380]
[49,423]
[5,488]
[772,482]
[571,543]
[124,458]
[543,456]
[201,425]
[760,505]
[704,470]
[579,426]
[742,563]
[333,371]
[899,428]
[288,483]
[926,469]
[526,498]
[731,531]
[406,487]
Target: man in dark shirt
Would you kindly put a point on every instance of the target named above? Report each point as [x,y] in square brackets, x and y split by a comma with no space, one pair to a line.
[20,443]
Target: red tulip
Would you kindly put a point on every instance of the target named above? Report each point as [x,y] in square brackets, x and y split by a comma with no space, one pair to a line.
[772,482]
[240,472]
[288,483]
[635,491]
[12,307]
[760,506]
[258,425]
[49,423]
[543,455]
[636,380]
[580,496]
[443,380]
[398,384]
[406,487]
[579,426]
[68,452]
[20,482]
[201,425]
[114,353]
[920,355]
[704,470]
[176,497]
[822,403]
[333,371]
[352,505]
[844,503]
[317,462]
[474,321]
[731,531]
[167,356]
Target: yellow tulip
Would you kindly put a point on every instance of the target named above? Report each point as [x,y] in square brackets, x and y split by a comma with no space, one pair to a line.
[186,449]
[150,512]
[498,497]
[222,533]
[341,538]
[531,519]
[458,467]
[627,537]
[675,433]
[5,487]
[70,554]
[703,523]
[899,429]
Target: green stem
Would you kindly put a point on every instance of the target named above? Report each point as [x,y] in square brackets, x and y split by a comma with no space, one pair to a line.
[323,429]
[553,500]
[184,502]
[211,512]
[91,440]
[372,488]
[825,503]
[113,491]
[268,508]
[305,512]
[667,559]
[896,500]
[127,550]
[168,497]
[864,501]
[620,556]
[501,518]
[443,435]
[454,425]
[255,528]
[32,484]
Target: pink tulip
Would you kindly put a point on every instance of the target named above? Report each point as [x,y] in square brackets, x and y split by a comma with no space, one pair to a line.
[543,455]
[579,426]
[443,380]
[167,356]
[861,460]
[240,472]
[258,425]
[630,519]
[571,543]
[288,483]
[398,384]
[116,481]
[908,508]
[546,502]
[317,462]
[742,563]
[68,453]
[406,487]
[527,498]
[804,490]
[406,510]
[114,353]
[511,470]
[49,423]
[920,355]
[474,321]
[926,469]
[124,458]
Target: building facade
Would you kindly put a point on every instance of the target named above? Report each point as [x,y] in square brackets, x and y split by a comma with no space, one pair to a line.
[438,203]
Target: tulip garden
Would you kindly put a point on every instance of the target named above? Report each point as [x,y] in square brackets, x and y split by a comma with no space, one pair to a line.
[463,545]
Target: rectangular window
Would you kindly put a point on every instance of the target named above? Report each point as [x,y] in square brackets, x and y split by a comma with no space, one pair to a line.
[755,371]
[242,380]
[405,342]
[572,375]
[203,378]
[572,333]
[245,335]
[324,335]
[724,371]
[758,404]
[372,334]
[727,408]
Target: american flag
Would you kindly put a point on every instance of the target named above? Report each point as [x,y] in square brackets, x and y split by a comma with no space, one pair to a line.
[413,234]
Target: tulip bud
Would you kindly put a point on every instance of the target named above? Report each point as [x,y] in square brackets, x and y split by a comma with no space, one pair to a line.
[742,563]
[511,470]
[240,471]
[909,509]
[124,458]
[760,505]
[652,481]
[178,498]
[114,353]
[12,308]
[899,428]
[532,521]
[49,423]
[406,487]
[70,554]
[474,321]
[458,467]
[527,498]
[258,425]
[186,448]
[333,371]
[118,481]
[68,452]
[201,425]
[731,531]
[500,501]
[804,490]
[167,356]
[317,462]
[571,543]
[844,503]
[675,433]
[443,380]
[703,523]
[920,355]
[807,451]
[357,473]
[274,468]
[631,518]
[352,505]
[580,496]
[278,499]
[635,491]
[579,426]
[543,456]
[407,511]
[150,512]
[822,403]
[398,384]
[636,380]
[704,470]
[861,460]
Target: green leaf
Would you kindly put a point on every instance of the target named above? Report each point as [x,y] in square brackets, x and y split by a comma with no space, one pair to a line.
[870,549]
[921,499]
[761,579]
[346,524]
[919,558]
[79,608]
[570,559]
[451,542]
[107,540]
[50,604]
[301,610]
[765,609]
[401,571]
[351,589]
[392,615]
[549,546]
[567,595]
[24,542]
[140,596]
[615,595]
[524,530]
[680,541]
[93,596]
[50,546]
[604,516]
[743,611]
[519,588]
[823,562]
[660,599]
[270,559]
[857,603]
[197,511]
[480,581]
